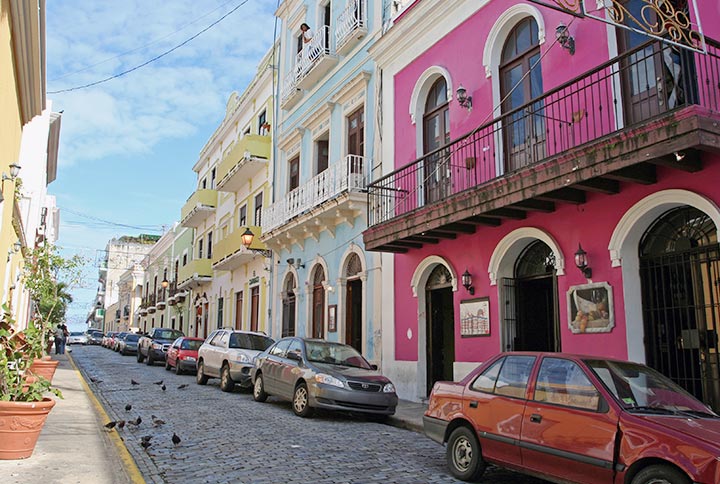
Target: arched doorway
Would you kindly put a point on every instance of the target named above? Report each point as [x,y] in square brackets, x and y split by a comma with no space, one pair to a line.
[531,315]
[679,273]
[288,307]
[318,303]
[436,133]
[440,326]
[353,302]
[520,82]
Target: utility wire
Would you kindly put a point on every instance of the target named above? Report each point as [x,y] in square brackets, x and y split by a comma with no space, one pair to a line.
[115,76]
[152,42]
[109,222]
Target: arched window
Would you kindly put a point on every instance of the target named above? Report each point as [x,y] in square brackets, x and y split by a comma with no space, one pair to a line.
[353,266]
[288,305]
[318,305]
[520,82]
[436,133]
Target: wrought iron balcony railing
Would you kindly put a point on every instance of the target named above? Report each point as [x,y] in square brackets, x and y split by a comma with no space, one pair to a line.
[647,82]
[351,24]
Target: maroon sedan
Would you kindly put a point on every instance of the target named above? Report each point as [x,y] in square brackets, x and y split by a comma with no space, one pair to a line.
[183,354]
[575,419]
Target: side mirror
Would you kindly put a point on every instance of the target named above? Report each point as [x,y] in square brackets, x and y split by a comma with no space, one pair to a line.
[293,355]
[374,366]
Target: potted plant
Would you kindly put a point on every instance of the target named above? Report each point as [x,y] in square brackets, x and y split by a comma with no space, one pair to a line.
[23,404]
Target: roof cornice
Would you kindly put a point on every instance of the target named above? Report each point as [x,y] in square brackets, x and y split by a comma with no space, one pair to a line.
[28,33]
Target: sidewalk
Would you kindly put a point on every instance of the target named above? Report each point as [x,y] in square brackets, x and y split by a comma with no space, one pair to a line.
[409,415]
[73,446]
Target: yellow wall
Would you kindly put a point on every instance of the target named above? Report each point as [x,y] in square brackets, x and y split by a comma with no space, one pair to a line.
[10,135]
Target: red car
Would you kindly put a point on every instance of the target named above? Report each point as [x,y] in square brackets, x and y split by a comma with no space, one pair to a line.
[578,419]
[183,354]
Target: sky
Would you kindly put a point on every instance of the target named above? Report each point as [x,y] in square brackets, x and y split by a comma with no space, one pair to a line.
[127,146]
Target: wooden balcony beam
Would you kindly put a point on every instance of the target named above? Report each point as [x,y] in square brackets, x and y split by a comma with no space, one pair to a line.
[689,161]
[506,213]
[599,185]
[405,243]
[440,234]
[567,195]
[643,173]
[532,205]
[480,220]
[392,248]
[458,227]
[422,239]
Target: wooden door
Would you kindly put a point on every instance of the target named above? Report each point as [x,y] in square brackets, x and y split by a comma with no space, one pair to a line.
[238,309]
[356,140]
[254,308]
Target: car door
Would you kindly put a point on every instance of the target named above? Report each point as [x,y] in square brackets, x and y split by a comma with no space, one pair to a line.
[568,428]
[212,354]
[173,352]
[271,368]
[288,368]
[495,402]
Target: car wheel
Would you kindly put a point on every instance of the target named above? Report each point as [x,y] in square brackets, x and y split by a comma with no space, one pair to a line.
[139,357]
[167,365]
[178,371]
[463,455]
[149,361]
[200,377]
[259,394]
[226,382]
[660,474]
[122,352]
[301,401]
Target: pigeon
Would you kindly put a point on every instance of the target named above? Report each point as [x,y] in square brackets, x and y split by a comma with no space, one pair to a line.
[158,382]
[135,422]
[145,444]
[163,388]
[146,438]
[133,382]
[110,425]
[158,422]
[95,380]
[175,439]
[128,407]
[183,386]
[121,424]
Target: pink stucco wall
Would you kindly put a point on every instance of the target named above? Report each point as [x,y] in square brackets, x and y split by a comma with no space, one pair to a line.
[590,224]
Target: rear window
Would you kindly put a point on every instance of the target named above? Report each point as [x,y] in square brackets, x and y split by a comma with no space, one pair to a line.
[168,334]
[250,341]
[132,337]
[191,344]
[76,333]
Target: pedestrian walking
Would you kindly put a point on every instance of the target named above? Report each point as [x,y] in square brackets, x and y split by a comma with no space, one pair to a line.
[61,334]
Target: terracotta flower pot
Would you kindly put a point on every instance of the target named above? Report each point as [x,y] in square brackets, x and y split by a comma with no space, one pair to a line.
[44,368]
[20,426]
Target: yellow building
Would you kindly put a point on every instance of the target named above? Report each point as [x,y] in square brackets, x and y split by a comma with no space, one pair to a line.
[22,97]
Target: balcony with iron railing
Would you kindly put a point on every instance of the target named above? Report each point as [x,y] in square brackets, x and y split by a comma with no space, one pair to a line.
[311,64]
[161,299]
[343,183]
[195,273]
[351,26]
[613,124]
[230,253]
[248,157]
[151,301]
[198,207]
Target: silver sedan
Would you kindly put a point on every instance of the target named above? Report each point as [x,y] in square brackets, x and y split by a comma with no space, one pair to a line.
[314,373]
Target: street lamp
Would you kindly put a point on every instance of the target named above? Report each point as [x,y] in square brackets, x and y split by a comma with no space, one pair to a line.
[581,262]
[164,283]
[14,171]
[467,282]
[247,237]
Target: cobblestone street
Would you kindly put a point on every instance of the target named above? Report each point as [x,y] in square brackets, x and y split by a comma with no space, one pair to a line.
[231,438]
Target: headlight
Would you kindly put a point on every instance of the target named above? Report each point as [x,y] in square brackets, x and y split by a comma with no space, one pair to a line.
[389,388]
[188,358]
[156,346]
[328,380]
[242,358]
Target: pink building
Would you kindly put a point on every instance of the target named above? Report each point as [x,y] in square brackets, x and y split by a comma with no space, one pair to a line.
[515,159]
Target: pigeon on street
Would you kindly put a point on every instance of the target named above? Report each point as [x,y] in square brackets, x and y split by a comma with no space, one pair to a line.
[133,382]
[128,407]
[163,388]
[158,382]
[175,439]
[183,386]
[110,425]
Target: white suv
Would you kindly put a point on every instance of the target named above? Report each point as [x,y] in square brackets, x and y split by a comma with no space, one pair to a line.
[228,354]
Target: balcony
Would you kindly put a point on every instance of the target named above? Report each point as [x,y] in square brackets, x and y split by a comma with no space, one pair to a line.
[151,299]
[200,204]
[351,26]
[315,59]
[246,159]
[587,135]
[161,303]
[328,199]
[195,273]
[290,93]
[230,253]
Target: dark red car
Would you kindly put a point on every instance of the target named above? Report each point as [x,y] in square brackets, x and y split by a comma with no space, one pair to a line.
[579,419]
[182,354]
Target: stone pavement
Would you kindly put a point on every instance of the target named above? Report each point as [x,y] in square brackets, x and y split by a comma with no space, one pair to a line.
[73,446]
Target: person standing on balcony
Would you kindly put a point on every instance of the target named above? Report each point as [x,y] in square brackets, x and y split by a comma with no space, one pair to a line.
[307,54]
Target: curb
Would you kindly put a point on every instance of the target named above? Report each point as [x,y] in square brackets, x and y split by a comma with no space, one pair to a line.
[405,424]
[128,463]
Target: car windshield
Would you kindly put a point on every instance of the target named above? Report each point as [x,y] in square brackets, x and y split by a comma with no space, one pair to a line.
[191,344]
[76,333]
[639,388]
[250,341]
[168,334]
[335,354]
[132,337]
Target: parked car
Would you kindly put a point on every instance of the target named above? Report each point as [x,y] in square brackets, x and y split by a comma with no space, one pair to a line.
[94,336]
[183,354]
[117,339]
[228,354]
[127,345]
[107,339]
[314,373]
[574,418]
[153,346]
[77,338]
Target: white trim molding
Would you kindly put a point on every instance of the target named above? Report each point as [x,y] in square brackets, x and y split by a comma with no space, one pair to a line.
[422,87]
[510,247]
[423,270]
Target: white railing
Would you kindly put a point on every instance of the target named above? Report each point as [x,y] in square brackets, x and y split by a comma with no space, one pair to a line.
[312,52]
[350,20]
[347,175]
[289,87]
